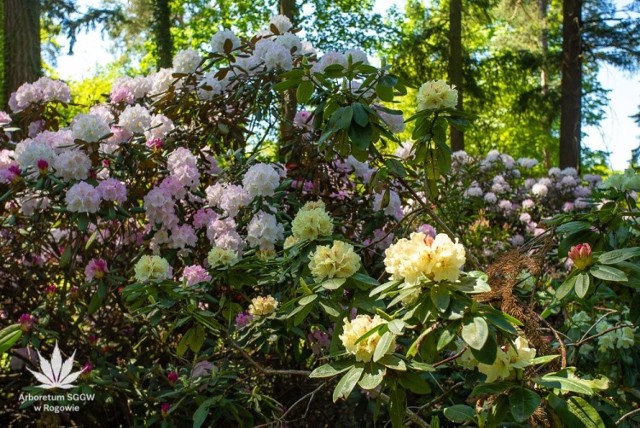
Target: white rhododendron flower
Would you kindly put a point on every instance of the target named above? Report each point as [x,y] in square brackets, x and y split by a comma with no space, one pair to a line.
[72,165]
[89,127]
[261,180]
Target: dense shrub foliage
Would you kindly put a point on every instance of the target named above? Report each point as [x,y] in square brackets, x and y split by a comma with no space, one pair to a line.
[243,239]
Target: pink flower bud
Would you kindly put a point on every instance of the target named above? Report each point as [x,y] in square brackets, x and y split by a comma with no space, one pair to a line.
[164,409]
[172,377]
[43,166]
[51,290]
[581,256]
[26,322]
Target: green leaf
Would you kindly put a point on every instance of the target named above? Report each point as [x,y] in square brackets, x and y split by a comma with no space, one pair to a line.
[196,340]
[523,403]
[183,344]
[333,284]
[307,299]
[493,388]
[83,222]
[201,413]
[475,333]
[330,308]
[582,284]
[440,296]
[396,326]
[573,226]
[447,336]
[396,167]
[304,91]
[393,362]
[94,304]
[372,377]
[364,279]
[575,412]
[566,287]
[287,84]
[360,115]
[397,407]
[565,384]
[374,330]
[384,287]
[488,353]
[65,258]
[360,136]
[385,93]
[544,359]
[331,369]
[414,383]
[617,256]
[459,413]
[501,322]
[347,383]
[9,336]
[608,273]
[384,345]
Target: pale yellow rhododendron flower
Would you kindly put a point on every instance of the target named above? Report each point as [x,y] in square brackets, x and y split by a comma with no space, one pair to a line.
[521,355]
[337,261]
[222,257]
[152,268]
[290,242]
[312,223]
[437,94]
[421,257]
[263,306]
[500,369]
[311,205]
[355,329]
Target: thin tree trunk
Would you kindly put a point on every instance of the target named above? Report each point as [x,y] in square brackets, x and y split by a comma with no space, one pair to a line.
[455,64]
[290,104]
[543,6]
[571,91]
[162,33]
[21,34]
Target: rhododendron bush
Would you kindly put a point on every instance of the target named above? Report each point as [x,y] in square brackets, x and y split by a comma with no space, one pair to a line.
[243,239]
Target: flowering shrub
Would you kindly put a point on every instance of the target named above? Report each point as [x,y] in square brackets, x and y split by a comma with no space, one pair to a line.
[214,256]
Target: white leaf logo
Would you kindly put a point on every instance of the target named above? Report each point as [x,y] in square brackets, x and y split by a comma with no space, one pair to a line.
[55,374]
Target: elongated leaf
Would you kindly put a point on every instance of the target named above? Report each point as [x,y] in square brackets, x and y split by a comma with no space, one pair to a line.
[201,413]
[331,369]
[566,287]
[414,383]
[582,284]
[608,273]
[384,345]
[9,336]
[347,383]
[459,413]
[617,256]
[307,299]
[304,91]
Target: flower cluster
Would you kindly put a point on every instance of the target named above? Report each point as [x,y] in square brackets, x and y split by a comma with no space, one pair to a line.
[354,330]
[421,258]
[337,261]
[508,359]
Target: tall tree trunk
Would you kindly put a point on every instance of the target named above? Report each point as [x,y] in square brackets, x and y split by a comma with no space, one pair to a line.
[21,34]
[455,64]
[290,104]
[571,91]
[543,6]
[162,33]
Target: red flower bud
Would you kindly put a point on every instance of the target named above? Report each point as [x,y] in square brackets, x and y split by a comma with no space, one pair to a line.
[581,256]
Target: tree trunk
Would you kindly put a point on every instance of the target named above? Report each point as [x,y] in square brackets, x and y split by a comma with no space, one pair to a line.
[21,36]
[571,91]
[455,64]
[543,6]
[290,104]
[162,33]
